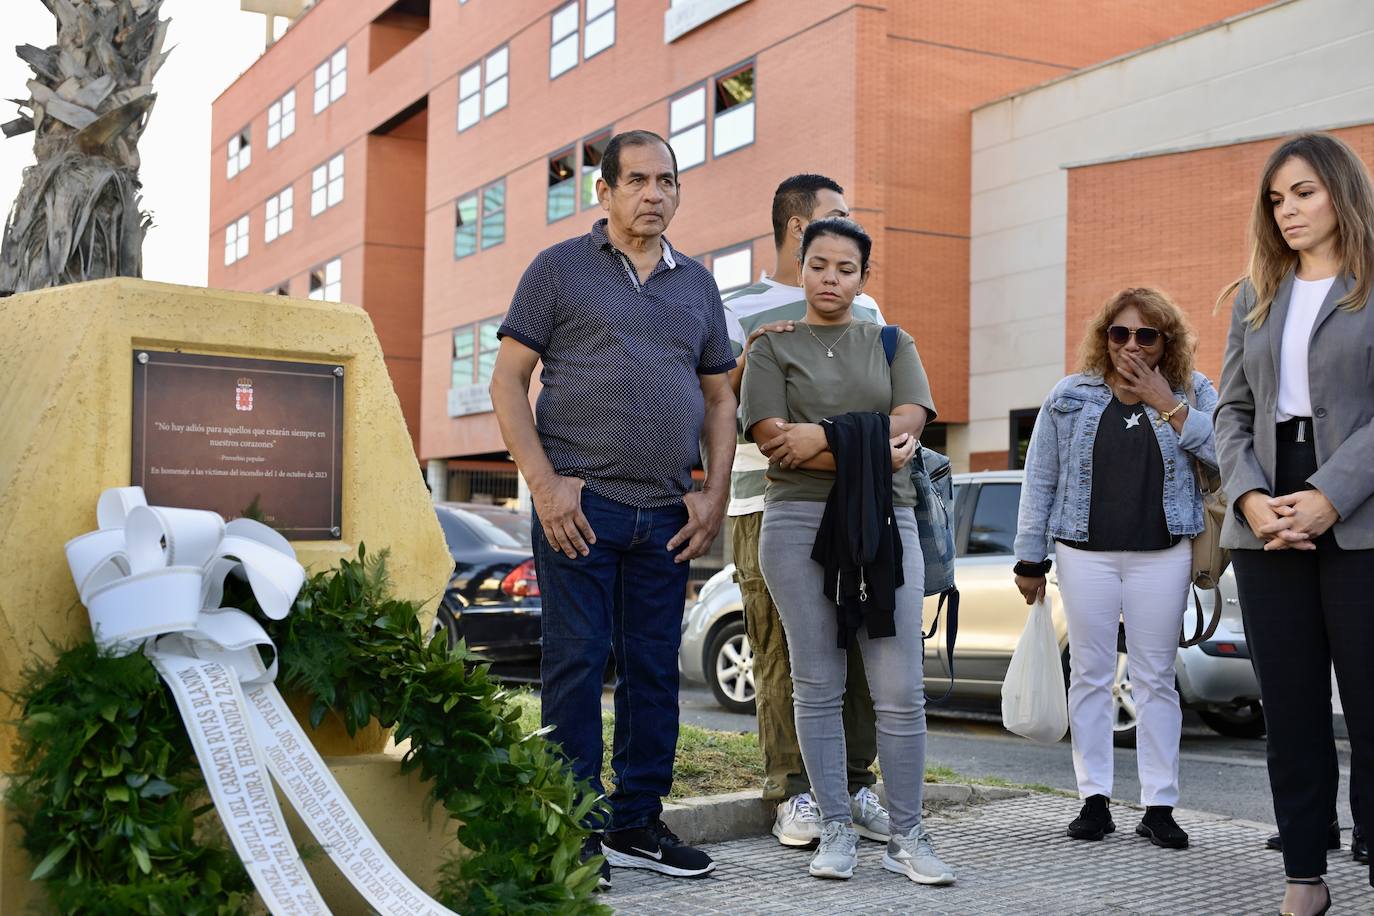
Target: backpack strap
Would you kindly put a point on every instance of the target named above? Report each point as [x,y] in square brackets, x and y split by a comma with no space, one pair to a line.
[951,632]
[889,335]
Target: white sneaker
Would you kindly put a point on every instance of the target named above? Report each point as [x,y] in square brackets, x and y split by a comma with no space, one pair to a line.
[838,852]
[870,817]
[798,822]
[912,854]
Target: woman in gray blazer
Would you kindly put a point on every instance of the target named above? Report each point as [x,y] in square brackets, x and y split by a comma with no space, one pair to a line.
[1295,439]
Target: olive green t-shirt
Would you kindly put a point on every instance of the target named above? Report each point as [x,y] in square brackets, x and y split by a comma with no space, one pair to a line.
[789,376]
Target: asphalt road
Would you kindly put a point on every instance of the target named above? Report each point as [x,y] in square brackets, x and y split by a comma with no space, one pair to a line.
[1217,774]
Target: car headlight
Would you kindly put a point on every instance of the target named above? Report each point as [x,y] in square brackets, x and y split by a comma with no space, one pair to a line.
[715,583]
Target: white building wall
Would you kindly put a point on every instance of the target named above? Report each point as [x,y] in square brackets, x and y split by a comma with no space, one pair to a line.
[1293,65]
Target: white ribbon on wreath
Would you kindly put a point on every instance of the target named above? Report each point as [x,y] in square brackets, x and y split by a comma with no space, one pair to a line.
[152,579]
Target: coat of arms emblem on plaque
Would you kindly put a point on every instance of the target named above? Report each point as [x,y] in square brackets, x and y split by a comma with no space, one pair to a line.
[243,395]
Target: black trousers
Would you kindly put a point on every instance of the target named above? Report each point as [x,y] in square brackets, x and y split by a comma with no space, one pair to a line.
[1305,611]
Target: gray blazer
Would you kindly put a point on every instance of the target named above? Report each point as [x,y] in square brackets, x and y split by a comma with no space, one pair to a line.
[1341,369]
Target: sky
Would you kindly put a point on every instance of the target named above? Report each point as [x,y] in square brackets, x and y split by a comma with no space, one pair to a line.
[214,42]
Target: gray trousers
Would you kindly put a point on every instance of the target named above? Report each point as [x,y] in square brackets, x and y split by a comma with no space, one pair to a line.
[819,668]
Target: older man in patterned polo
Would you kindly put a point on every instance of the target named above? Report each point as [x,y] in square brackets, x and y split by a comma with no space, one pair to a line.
[635,353]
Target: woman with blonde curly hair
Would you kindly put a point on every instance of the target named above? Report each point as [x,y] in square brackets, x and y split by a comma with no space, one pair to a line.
[1110,478]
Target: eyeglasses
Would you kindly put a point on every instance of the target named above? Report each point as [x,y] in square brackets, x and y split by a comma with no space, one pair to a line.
[1119,334]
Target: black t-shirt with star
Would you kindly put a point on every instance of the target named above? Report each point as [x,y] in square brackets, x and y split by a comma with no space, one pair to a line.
[1127,511]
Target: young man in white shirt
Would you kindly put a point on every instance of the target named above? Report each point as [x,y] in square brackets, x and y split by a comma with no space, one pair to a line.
[774,305]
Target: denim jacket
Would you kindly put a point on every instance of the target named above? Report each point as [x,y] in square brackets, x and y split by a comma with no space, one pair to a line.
[1057,493]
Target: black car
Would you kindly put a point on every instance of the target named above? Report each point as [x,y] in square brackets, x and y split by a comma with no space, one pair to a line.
[492,599]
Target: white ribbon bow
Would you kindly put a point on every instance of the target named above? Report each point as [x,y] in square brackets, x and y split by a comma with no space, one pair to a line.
[152,578]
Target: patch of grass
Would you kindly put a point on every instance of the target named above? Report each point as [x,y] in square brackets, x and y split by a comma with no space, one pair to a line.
[938,772]
[708,762]
[712,762]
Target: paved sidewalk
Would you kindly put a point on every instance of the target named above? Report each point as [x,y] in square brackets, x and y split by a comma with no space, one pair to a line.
[1011,857]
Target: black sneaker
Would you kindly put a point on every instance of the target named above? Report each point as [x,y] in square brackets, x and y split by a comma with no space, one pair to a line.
[1159,826]
[591,847]
[1333,838]
[1359,846]
[656,848]
[1094,821]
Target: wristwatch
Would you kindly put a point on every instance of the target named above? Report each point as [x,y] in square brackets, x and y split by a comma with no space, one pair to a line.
[1169,414]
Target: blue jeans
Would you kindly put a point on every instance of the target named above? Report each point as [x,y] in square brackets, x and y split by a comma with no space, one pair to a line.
[626,596]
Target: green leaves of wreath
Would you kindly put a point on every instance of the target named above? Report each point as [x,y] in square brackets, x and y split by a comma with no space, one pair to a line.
[112,803]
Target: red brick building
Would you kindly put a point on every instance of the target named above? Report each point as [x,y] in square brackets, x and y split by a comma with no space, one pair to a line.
[425,151]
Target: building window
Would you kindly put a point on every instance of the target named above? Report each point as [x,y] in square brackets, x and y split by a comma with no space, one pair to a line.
[484,88]
[734,124]
[470,97]
[281,119]
[563,40]
[465,228]
[497,82]
[494,214]
[240,152]
[474,353]
[593,148]
[733,268]
[1022,423]
[464,364]
[562,184]
[687,128]
[283,289]
[480,220]
[331,80]
[326,281]
[327,185]
[236,241]
[279,216]
[599,32]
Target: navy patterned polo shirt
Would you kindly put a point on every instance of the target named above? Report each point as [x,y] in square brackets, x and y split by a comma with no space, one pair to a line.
[621,406]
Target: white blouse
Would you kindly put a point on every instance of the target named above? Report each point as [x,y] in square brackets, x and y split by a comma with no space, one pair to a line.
[1295,396]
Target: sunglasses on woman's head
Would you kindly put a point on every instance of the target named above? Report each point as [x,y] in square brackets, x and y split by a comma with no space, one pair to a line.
[1146,337]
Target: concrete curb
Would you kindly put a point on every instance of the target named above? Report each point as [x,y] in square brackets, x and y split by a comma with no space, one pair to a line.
[735,815]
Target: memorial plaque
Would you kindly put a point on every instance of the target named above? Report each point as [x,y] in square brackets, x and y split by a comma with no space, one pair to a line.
[255,437]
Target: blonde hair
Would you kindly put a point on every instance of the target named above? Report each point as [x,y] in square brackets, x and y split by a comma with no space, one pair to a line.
[1347,181]
[1159,312]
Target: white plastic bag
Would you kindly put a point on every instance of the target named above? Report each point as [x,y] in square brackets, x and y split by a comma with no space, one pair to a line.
[1033,702]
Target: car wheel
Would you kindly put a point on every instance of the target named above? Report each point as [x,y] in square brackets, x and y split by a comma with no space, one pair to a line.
[730,668]
[1124,716]
[1237,722]
[446,627]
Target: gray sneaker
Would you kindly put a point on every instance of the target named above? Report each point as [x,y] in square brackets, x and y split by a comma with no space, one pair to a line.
[912,854]
[838,852]
[870,817]
[798,822]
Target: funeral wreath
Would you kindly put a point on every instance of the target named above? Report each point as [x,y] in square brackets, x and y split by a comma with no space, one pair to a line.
[119,817]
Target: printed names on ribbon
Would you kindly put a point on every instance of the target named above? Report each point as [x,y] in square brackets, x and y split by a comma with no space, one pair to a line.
[213,708]
[241,436]
[315,795]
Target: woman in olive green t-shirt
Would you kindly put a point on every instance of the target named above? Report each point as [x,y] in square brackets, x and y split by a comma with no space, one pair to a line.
[832,365]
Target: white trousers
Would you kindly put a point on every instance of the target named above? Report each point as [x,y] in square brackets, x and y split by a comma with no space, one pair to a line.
[1148,590]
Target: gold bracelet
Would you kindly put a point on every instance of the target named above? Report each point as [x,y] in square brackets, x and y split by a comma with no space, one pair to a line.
[1169,415]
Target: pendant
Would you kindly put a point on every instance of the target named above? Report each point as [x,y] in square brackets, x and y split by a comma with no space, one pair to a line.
[830,354]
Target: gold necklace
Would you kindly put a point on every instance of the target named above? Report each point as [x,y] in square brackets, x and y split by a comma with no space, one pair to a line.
[829,348]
